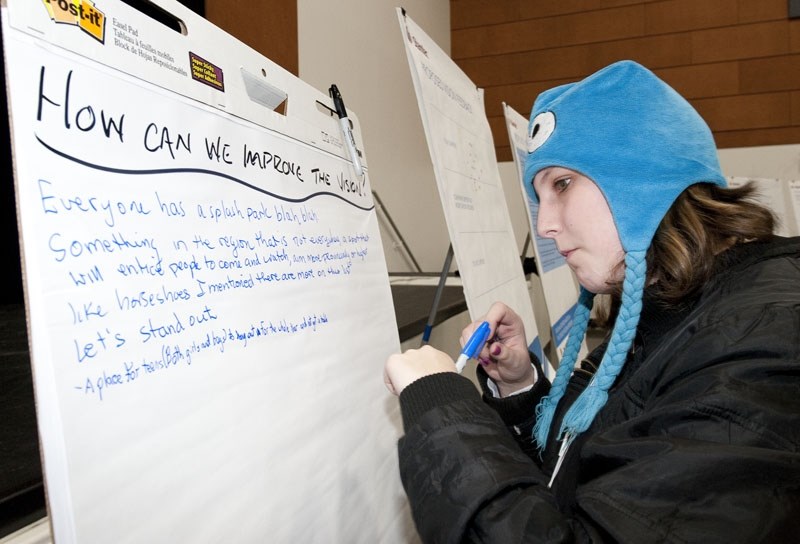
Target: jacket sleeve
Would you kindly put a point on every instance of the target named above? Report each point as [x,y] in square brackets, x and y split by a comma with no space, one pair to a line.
[476,463]
[518,412]
[466,477]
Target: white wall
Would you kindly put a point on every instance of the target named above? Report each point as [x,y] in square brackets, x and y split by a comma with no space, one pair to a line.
[357,45]
[775,161]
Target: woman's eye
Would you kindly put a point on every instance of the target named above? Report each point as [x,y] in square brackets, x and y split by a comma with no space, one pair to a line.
[561,184]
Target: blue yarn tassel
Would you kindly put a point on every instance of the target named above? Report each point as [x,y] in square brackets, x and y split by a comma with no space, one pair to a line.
[547,406]
[583,411]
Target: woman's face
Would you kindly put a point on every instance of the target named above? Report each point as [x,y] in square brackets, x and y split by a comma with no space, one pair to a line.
[575,214]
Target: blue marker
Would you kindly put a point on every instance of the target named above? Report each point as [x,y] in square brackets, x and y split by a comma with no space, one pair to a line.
[473,346]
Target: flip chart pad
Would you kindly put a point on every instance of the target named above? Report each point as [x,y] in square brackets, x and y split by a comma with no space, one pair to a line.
[471,192]
[781,196]
[793,196]
[209,308]
[558,283]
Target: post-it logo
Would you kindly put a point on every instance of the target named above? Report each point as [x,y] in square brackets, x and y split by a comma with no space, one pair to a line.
[81,13]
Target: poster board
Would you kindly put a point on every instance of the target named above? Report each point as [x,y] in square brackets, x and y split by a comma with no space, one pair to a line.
[207,298]
[793,197]
[781,196]
[470,189]
[558,282]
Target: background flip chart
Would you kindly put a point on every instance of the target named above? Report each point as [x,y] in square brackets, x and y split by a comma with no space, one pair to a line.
[470,188]
[208,303]
[779,195]
[558,282]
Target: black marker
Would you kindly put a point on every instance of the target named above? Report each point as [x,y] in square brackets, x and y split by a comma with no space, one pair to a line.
[338,103]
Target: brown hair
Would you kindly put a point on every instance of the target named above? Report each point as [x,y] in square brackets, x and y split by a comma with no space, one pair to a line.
[704,221]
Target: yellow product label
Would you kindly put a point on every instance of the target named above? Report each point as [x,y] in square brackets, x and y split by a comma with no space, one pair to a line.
[81,13]
[206,72]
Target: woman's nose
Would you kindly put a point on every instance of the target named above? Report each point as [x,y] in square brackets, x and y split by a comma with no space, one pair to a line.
[546,222]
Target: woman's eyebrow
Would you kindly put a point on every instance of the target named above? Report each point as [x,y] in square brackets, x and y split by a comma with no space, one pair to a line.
[543,175]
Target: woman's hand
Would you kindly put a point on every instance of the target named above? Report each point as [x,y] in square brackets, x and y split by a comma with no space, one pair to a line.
[403,368]
[505,356]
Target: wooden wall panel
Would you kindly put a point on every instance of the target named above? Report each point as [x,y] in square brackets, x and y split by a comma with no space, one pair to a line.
[761,10]
[687,15]
[737,61]
[796,107]
[269,27]
[740,42]
[475,13]
[702,81]
[549,33]
[742,112]
[757,137]
[655,52]
[794,35]
[770,74]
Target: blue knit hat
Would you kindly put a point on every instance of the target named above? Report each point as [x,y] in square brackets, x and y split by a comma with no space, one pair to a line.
[642,144]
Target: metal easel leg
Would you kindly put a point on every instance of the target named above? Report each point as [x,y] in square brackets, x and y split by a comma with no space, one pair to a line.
[426,335]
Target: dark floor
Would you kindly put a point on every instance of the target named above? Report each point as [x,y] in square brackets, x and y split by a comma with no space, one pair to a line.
[21,489]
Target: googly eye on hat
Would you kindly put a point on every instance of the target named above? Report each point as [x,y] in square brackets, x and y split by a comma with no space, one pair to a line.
[540,129]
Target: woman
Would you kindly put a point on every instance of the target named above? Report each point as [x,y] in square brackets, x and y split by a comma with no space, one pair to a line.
[685,424]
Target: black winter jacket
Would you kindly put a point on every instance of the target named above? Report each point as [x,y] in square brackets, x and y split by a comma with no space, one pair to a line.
[698,442]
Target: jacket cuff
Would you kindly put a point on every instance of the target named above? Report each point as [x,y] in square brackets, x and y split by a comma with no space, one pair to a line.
[431,391]
[516,409]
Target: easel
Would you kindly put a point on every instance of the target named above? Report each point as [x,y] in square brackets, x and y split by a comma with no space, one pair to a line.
[426,335]
[395,231]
